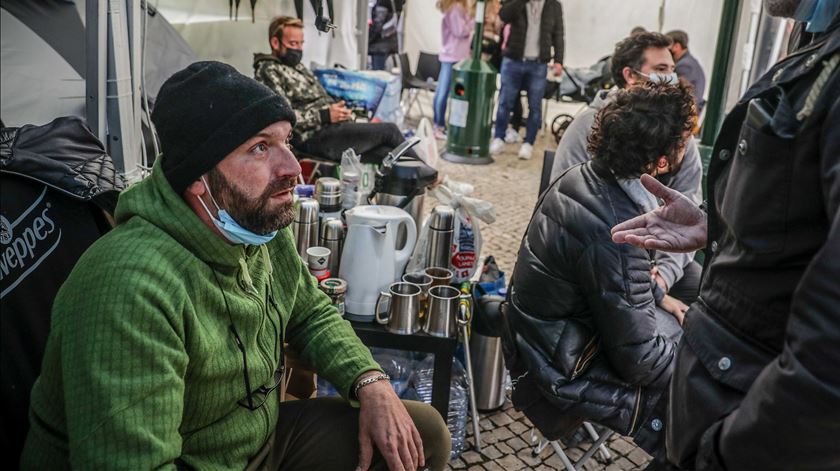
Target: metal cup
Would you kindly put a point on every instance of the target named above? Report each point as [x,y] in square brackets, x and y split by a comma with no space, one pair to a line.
[424,281]
[440,276]
[443,311]
[404,310]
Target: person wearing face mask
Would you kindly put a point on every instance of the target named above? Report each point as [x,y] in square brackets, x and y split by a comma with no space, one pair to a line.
[687,66]
[589,336]
[168,337]
[639,58]
[325,126]
[756,384]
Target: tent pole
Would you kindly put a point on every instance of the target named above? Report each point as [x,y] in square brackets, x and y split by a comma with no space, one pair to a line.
[362,17]
[135,30]
[121,143]
[96,22]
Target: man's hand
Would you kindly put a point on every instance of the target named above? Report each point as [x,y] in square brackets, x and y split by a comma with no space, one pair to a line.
[339,112]
[674,306]
[558,69]
[679,226]
[384,421]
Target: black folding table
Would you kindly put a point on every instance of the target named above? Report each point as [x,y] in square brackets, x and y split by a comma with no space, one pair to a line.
[375,335]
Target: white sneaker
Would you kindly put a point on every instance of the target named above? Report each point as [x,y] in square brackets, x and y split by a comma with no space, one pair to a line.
[512,136]
[525,151]
[496,146]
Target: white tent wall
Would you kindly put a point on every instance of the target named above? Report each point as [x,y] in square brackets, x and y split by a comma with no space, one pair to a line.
[56,81]
[212,35]
[421,29]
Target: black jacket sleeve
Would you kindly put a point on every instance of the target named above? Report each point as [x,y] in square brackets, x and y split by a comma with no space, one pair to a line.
[616,281]
[558,38]
[511,10]
[790,417]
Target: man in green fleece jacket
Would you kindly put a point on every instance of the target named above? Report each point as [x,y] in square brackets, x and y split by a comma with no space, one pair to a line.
[167,338]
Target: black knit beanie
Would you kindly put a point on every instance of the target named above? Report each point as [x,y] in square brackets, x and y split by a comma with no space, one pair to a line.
[204,112]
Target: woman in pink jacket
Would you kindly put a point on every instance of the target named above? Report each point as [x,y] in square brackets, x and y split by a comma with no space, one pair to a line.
[457,32]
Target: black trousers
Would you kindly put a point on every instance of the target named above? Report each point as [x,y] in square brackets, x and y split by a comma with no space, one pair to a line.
[372,141]
[323,434]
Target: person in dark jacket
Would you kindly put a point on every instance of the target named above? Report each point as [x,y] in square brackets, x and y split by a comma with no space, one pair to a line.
[687,66]
[536,37]
[756,384]
[382,32]
[325,126]
[590,336]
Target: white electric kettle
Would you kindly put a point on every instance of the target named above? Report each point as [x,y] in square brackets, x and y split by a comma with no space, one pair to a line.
[371,260]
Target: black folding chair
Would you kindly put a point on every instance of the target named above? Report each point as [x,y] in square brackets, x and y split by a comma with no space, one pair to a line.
[413,84]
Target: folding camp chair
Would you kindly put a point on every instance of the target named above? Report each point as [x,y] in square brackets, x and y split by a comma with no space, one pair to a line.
[540,443]
[414,84]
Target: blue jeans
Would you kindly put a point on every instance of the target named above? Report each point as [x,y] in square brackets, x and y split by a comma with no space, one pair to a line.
[521,75]
[377,61]
[442,93]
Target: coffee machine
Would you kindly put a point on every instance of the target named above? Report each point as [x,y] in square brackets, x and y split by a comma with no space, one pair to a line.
[402,180]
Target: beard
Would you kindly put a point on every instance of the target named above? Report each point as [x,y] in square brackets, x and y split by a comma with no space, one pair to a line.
[253,214]
[784,8]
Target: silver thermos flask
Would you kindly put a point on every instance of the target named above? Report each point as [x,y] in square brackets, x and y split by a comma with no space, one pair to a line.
[305,225]
[328,194]
[441,226]
[332,237]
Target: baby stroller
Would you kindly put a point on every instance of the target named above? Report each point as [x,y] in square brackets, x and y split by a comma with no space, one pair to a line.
[577,85]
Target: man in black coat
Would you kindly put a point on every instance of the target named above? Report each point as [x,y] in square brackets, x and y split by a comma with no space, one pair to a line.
[756,383]
[590,336]
[536,38]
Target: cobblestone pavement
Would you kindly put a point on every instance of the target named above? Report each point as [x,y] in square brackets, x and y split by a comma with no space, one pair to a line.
[511,185]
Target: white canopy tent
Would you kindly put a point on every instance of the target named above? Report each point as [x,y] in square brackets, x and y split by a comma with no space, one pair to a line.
[207,27]
[37,74]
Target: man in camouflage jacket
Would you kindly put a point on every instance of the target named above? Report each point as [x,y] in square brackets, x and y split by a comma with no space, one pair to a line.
[324,125]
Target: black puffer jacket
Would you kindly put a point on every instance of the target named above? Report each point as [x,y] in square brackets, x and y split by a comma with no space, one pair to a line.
[582,322]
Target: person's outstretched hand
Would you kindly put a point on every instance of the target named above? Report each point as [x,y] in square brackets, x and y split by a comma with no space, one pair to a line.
[678,226]
[384,421]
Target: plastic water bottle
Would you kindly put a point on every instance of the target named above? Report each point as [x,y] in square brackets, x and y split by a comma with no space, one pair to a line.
[456,418]
[324,388]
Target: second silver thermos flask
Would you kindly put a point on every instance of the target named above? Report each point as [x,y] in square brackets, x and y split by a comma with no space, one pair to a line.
[305,225]
[332,237]
[441,227]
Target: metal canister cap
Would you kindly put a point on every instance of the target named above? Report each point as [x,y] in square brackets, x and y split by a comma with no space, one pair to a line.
[328,191]
[442,218]
[306,210]
[334,286]
[332,229]
[327,186]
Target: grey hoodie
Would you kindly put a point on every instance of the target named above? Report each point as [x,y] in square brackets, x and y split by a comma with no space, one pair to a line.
[688,181]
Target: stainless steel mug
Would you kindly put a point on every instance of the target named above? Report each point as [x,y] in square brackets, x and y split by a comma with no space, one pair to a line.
[404,310]
[443,311]
[424,281]
[440,276]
